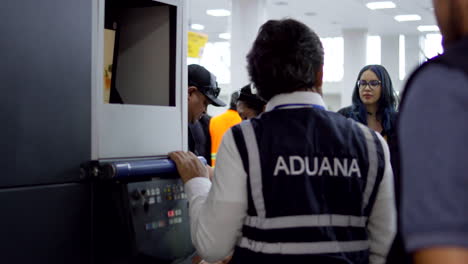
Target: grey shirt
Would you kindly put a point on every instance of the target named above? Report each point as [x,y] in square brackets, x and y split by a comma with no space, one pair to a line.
[434,155]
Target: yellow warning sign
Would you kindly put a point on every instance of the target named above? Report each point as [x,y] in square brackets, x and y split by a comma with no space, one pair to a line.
[196,42]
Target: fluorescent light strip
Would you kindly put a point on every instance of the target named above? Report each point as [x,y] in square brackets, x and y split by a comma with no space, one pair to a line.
[225,36]
[428,28]
[406,18]
[197,26]
[218,12]
[380,5]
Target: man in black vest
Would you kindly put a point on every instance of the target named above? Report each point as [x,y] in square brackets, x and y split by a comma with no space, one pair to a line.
[298,184]
[433,131]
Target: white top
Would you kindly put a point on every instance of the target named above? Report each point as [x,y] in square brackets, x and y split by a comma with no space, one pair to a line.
[218,209]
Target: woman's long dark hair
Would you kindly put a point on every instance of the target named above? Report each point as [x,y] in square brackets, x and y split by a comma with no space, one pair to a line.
[387,102]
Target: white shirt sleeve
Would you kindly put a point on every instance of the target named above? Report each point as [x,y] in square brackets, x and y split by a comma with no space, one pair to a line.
[217,210]
[382,221]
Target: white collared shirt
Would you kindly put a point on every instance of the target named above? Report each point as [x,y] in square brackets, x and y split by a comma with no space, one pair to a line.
[218,208]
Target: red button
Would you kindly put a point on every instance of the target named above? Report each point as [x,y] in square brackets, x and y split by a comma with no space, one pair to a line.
[170,213]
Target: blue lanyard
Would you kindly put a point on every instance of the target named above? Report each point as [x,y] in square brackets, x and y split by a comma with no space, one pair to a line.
[307,105]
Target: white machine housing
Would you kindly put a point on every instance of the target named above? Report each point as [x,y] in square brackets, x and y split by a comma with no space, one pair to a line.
[138,131]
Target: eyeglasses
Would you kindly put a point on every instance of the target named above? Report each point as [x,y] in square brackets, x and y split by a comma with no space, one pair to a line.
[372,84]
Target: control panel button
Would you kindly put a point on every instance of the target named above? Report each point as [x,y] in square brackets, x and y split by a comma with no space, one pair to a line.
[171,213]
[149,226]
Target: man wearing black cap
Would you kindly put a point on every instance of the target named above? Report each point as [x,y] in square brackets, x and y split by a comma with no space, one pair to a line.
[202,91]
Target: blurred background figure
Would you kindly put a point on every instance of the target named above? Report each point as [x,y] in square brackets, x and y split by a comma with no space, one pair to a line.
[249,104]
[432,132]
[221,123]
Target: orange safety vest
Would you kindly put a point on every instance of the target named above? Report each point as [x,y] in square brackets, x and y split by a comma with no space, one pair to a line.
[218,126]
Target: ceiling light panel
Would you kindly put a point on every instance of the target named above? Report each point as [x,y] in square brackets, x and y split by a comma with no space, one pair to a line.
[406,18]
[197,27]
[428,28]
[381,5]
[218,12]
[225,36]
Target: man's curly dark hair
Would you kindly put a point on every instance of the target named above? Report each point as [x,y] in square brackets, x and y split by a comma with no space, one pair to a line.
[284,58]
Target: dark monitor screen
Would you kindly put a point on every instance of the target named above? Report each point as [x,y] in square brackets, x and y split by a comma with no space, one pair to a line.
[140,53]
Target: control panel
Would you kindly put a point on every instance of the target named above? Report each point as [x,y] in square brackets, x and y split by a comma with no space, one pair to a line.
[159,210]
[140,222]
[140,211]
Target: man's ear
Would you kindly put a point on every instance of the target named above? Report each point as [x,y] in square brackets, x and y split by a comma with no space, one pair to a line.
[191,91]
[319,80]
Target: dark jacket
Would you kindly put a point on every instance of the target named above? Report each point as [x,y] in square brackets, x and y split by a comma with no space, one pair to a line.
[389,133]
[396,254]
[353,113]
[455,56]
[199,140]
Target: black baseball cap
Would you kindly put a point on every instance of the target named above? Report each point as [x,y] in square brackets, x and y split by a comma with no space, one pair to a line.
[247,95]
[205,82]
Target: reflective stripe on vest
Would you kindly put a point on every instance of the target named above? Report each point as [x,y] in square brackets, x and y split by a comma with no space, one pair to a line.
[303,248]
[306,221]
[255,170]
[373,164]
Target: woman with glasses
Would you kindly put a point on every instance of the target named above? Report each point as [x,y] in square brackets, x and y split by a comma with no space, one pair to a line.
[374,104]
[374,101]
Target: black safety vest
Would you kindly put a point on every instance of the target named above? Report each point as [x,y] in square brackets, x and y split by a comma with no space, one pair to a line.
[312,179]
